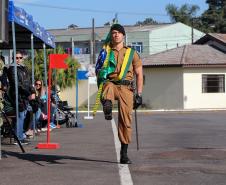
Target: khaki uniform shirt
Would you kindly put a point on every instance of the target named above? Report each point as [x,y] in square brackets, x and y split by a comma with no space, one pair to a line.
[119,56]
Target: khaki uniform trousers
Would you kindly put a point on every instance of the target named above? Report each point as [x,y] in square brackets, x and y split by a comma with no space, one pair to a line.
[124,95]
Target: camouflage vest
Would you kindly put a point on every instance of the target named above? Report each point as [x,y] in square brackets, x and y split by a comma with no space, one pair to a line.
[1,98]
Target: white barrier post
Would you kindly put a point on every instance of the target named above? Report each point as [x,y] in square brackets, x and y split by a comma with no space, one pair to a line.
[88,116]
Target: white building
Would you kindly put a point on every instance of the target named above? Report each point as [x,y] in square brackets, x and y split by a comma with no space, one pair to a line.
[188,77]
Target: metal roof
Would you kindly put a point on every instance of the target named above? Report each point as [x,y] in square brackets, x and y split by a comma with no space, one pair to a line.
[101,32]
[219,37]
[188,55]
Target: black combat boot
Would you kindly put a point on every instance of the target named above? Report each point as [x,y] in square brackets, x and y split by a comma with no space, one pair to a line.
[123,154]
[107,108]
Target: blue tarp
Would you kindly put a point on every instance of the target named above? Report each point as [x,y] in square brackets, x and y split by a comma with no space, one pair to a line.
[22,18]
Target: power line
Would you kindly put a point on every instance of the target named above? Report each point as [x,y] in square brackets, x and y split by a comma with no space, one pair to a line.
[89,10]
[157,39]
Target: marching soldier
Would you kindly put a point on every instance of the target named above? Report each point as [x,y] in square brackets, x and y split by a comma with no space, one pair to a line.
[116,68]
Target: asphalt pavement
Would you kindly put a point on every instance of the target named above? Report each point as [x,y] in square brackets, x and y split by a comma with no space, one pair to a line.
[176,148]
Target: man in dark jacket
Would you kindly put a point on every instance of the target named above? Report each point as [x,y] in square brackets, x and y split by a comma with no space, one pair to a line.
[26,91]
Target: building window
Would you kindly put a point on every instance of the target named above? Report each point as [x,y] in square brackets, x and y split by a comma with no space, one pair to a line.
[213,83]
[138,46]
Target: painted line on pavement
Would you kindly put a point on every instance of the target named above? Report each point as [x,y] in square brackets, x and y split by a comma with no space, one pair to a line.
[124,172]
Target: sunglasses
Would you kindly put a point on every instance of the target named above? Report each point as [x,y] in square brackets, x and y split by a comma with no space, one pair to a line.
[38,84]
[19,57]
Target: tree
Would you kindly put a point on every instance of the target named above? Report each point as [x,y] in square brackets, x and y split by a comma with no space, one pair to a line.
[72,26]
[113,21]
[64,78]
[183,14]
[107,24]
[147,21]
[214,18]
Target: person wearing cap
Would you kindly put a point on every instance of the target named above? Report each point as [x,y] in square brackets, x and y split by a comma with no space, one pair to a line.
[123,65]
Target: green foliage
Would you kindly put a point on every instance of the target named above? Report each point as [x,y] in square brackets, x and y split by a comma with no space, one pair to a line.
[64,78]
[107,24]
[183,14]
[212,20]
[147,21]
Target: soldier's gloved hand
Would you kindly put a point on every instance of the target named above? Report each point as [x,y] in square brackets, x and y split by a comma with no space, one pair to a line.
[137,101]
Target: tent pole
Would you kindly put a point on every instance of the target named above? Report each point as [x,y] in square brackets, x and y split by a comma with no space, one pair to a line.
[45,68]
[72,47]
[45,63]
[16,80]
[32,58]
[33,79]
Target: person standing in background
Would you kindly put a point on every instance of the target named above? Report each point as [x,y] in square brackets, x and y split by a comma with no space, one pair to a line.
[26,91]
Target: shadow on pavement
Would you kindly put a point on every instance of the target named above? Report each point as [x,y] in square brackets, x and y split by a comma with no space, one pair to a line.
[51,159]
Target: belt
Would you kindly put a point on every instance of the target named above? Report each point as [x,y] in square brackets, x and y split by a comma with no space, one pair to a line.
[123,82]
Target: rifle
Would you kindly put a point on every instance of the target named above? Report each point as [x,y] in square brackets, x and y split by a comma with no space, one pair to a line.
[12,131]
[137,139]
[135,112]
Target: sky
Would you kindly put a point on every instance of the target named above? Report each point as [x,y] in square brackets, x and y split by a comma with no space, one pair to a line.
[54,14]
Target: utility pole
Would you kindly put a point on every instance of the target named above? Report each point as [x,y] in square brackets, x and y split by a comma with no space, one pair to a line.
[72,47]
[4,30]
[92,45]
[116,19]
[192,30]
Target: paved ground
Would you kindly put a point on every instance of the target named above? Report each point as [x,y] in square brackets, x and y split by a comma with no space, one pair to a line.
[175,149]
